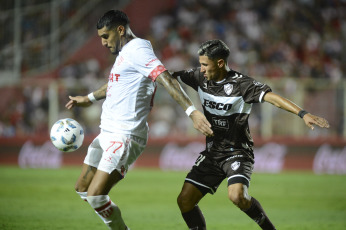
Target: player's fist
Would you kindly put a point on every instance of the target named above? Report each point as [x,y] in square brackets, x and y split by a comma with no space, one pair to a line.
[201,123]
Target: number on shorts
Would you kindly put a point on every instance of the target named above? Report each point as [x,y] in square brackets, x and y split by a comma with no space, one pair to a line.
[199,159]
[113,143]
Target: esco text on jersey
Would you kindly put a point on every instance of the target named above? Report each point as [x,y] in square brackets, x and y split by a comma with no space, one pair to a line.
[215,105]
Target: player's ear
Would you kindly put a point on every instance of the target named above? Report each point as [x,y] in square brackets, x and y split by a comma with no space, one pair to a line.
[220,63]
[121,30]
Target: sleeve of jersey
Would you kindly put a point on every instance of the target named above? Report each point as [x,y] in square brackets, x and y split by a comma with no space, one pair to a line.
[189,77]
[145,61]
[252,90]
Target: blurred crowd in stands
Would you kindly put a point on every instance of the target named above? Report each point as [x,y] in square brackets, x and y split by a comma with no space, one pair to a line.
[38,20]
[301,39]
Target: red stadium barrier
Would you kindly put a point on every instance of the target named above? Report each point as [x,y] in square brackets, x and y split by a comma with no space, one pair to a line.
[272,155]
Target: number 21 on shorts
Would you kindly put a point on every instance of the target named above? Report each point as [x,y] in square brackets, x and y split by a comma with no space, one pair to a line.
[199,159]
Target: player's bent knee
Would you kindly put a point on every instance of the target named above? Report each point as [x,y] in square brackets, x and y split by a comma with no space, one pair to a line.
[239,200]
[184,203]
[180,200]
[235,198]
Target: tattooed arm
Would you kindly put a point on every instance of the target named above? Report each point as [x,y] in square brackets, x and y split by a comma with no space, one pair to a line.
[85,101]
[178,94]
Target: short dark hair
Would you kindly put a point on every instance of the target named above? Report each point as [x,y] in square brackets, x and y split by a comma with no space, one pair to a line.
[214,49]
[112,19]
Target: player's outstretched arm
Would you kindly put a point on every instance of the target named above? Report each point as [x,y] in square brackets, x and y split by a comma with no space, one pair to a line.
[283,103]
[85,101]
[173,87]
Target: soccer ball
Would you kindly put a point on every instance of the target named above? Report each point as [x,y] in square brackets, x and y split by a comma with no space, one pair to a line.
[67,135]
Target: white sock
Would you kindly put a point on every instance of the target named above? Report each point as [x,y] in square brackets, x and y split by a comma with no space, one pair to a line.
[83,195]
[108,211]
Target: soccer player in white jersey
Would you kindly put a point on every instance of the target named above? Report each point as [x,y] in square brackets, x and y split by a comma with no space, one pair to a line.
[128,98]
[227,97]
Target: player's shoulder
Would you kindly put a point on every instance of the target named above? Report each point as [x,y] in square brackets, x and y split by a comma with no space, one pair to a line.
[139,42]
[235,75]
[237,78]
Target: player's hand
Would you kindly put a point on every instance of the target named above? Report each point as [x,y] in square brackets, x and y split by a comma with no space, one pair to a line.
[82,101]
[201,123]
[311,120]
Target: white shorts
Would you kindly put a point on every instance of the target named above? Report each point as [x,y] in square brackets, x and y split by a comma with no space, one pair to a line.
[112,151]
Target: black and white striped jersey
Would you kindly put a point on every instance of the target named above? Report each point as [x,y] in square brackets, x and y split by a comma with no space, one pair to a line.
[227,106]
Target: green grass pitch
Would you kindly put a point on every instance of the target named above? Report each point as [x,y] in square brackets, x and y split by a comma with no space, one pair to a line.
[45,199]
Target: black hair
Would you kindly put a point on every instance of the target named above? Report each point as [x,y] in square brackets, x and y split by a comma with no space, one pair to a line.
[214,49]
[112,19]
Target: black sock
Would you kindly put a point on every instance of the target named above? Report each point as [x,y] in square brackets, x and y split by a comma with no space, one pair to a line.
[195,219]
[257,213]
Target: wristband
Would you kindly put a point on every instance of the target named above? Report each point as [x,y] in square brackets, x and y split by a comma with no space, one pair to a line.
[302,113]
[189,110]
[92,97]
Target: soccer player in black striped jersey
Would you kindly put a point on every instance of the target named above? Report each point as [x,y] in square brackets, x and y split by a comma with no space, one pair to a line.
[227,97]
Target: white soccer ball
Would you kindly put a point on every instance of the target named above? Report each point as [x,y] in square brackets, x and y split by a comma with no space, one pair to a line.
[67,135]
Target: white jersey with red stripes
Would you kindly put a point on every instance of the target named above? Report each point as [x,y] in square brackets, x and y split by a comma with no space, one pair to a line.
[131,89]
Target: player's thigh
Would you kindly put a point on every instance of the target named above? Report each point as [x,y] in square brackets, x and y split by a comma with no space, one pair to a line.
[85,178]
[205,175]
[120,151]
[238,170]
[91,162]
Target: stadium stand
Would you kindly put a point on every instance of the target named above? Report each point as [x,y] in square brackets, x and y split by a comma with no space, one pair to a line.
[295,46]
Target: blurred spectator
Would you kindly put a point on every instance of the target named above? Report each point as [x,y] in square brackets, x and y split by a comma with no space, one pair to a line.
[279,38]
[303,39]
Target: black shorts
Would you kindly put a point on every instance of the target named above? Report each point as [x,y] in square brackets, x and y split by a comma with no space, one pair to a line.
[207,174]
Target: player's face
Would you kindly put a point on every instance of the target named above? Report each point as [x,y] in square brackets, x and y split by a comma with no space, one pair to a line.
[110,39]
[210,69]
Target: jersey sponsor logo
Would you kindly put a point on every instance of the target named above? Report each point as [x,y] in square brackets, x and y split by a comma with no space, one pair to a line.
[228,89]
[223,105]
[113,76]
[216,105]
[235,165]
[220,123]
